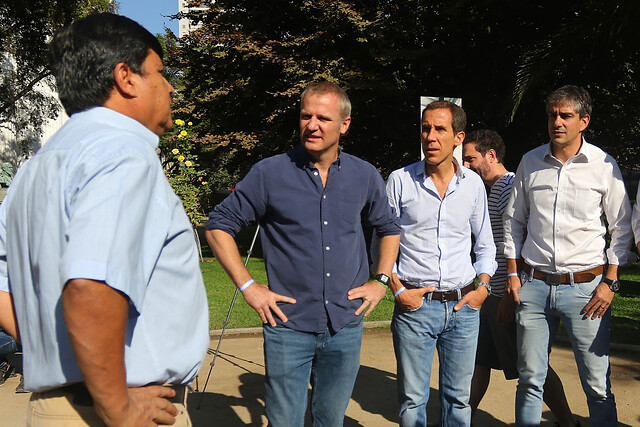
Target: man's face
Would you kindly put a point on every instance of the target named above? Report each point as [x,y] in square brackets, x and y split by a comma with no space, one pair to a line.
[475,161]
[321,122]
[565,124]
[438,138]
[154,95]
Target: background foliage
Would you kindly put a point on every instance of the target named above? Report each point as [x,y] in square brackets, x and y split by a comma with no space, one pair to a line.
[25,29]
[243,71]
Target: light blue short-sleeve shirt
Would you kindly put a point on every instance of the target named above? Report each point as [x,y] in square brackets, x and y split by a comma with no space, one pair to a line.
[94,203]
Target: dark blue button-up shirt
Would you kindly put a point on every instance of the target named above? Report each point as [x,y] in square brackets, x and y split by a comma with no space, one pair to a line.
[312,240]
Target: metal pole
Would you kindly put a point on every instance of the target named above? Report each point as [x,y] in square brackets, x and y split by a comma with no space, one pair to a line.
[226,322]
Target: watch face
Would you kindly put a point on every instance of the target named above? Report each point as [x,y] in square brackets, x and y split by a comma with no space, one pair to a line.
[383,278]
[614,286]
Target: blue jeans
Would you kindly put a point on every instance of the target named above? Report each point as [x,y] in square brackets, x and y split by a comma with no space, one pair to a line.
[330,361]
[8,345]
[416,334]
[542,307]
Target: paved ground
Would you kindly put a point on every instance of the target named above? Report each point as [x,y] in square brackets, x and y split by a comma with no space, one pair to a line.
[234,395]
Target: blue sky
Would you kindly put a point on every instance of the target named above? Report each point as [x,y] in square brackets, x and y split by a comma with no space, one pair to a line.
[149,13]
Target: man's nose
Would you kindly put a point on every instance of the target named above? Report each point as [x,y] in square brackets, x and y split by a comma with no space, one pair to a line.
[313,123]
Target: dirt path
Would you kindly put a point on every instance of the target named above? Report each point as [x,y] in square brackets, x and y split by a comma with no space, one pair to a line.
[234,395]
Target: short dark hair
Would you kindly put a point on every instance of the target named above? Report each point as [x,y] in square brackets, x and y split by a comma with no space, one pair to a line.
[324,86]
[485,140]
[458,116]
[85,54]
[572,94]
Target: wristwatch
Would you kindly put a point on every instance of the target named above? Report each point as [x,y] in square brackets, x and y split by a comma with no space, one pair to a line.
[614,285]
[382,279]
[486,285]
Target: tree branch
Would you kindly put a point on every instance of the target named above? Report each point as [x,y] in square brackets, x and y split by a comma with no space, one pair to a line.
[41,75]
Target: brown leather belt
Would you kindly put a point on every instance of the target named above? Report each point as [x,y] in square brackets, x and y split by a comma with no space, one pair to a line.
[82,397]
[564,278]
[444,296]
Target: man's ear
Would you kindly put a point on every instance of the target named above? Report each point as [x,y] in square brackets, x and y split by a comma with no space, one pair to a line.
[492,154]
[124,78]
[344,127]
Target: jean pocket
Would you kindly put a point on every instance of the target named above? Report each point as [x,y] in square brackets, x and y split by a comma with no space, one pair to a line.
[587,288]
[472,307]
[355,323]
[401,308]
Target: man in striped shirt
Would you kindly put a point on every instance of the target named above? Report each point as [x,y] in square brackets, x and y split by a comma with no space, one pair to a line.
[483,152]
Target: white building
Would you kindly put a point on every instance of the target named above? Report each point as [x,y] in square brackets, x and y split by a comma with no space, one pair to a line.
[186,26]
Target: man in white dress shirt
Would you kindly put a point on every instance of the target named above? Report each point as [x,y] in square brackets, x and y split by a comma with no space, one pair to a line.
[554,223]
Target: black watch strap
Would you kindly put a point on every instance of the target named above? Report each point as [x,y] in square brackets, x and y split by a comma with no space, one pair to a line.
[382,278]
[614,285]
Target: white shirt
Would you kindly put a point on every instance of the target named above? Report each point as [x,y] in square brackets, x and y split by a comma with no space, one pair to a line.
[435,245]
[635,218]
[564,203]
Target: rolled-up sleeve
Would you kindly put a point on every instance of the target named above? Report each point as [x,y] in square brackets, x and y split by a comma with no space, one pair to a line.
[245,204]
[635,218]
[380,214]
[617,209]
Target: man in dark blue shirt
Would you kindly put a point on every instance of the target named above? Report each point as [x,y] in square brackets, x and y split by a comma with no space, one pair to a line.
[311,203]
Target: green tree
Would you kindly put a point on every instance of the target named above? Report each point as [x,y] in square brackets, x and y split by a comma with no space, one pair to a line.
[243,72]
[25,29]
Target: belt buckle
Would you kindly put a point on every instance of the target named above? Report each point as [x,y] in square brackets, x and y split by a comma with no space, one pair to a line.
[448,296]
[554,278]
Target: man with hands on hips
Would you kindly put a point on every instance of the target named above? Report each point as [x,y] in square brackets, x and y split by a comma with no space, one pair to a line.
[553,222]
[440,205]
[310,203]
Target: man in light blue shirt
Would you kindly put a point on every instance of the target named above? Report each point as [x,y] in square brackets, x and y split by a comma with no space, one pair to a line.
[440,205]
[96,250]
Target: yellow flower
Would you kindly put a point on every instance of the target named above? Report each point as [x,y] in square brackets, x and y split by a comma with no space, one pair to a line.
[204,182]
[183,133]
[188,163]
[199,178]
[190,123]
[175,151]
[181,158]
[179,122]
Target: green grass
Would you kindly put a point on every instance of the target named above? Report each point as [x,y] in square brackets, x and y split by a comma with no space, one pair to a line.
[220,291]
[625,308]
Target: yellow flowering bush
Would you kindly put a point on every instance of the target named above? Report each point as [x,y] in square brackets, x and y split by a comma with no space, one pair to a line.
[179,151]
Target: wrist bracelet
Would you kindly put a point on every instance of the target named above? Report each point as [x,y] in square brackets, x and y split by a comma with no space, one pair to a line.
[399,291]
[246,285]
[513,274]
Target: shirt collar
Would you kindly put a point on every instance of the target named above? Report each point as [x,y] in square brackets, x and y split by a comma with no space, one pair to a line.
[303,159]
[584,154]
[460,172]
[115,119]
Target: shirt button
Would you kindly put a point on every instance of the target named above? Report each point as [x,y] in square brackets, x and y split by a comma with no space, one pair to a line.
[328,248]
[315,173]
[326,301]
[328,274]
[324,196]
[326,223]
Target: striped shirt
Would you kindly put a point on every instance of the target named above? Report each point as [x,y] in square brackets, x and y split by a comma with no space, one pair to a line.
[497,202]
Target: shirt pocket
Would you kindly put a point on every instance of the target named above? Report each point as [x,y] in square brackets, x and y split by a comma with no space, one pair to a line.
[586,204]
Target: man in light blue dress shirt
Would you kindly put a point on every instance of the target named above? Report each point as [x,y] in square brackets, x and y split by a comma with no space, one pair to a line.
[440,205]
[96,251]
